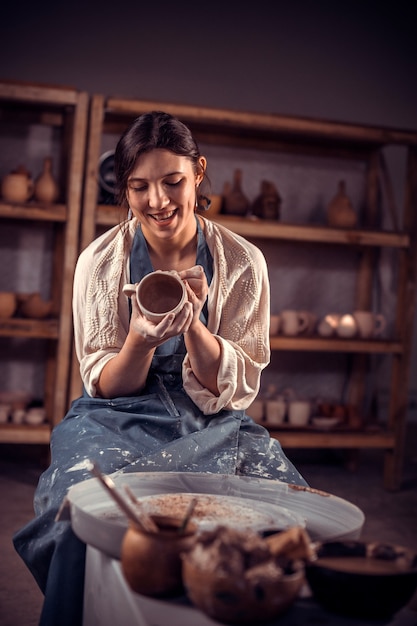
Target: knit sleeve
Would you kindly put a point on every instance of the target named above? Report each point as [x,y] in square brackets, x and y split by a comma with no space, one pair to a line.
[239,311]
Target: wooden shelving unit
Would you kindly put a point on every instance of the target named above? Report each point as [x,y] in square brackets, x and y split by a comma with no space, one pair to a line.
[66,110]
[273,133]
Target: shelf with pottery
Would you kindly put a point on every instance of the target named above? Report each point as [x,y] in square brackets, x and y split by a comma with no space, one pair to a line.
[33,211]
[52,200]
[332,141]
[318,344]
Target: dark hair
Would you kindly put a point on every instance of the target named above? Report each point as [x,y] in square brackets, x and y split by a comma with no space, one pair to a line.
[155,129]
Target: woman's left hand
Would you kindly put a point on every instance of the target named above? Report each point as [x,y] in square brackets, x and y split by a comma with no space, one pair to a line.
[197,288]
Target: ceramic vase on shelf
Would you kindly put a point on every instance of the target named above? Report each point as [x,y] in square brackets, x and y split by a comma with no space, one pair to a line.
[17,186]
[235,201]
[340,212]
[46,188]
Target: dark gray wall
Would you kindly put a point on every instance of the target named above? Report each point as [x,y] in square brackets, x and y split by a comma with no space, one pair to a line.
[351,61]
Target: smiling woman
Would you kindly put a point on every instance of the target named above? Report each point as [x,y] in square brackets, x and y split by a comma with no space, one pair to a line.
[158,396]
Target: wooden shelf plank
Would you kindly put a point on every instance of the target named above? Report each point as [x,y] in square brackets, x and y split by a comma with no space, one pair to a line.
[265,229]
[304,128]
[333,439]
[36,329]
[319,344]
[108,215]
[37,93]
[34,211]
[24,433]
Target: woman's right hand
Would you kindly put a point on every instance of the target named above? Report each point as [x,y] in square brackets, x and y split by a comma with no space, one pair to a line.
[171,325]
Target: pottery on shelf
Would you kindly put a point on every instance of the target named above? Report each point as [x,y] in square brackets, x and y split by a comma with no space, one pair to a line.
[17,186]
[46,188]
[8,304]
[340,212]
[235,201]
[34,306]
[268,204]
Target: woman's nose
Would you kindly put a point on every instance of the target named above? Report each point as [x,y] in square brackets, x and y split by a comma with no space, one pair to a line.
[157,198]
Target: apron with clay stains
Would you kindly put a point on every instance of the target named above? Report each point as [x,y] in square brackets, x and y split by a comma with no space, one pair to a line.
[159,430]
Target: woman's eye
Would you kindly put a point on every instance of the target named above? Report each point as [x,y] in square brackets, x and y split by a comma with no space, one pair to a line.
[174,183]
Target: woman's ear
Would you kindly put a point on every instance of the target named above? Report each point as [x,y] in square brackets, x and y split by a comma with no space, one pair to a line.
[202,166]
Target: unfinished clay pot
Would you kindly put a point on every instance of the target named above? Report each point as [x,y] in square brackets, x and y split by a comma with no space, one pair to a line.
[340,212]
[17,186]
[158,293]
[34,306]
[8,303]
[235,201]
[46,188]
[151,561]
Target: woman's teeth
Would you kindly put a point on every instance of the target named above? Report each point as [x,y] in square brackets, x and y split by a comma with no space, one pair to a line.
[165,216]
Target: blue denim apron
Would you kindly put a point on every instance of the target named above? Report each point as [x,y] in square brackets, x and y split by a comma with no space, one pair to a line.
[159,430]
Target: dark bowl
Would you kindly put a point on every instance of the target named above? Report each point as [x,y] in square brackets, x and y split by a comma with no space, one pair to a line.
[360,579]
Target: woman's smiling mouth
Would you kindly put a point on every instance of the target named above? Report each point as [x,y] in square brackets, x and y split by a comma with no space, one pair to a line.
[162,217]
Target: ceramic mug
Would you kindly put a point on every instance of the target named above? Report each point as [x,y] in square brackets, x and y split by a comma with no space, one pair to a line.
[293,322]
[347,326]
[328,325]
[299,412]
[311,322]
[275,411]
[369,324]
[158,293]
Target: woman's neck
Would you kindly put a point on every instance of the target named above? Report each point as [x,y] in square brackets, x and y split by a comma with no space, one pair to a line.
[172,254]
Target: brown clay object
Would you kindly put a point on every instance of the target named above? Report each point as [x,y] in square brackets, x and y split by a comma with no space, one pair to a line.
[235,201]
[17,186]
[46,188]
[151,561]
[8,304]
[340,212]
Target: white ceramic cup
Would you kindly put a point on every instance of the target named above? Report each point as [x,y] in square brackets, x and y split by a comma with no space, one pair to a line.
[347,326]
[158,293]
[327,327]
[293,322]
[369,324]
[299,412]
[311,322]
[275,411]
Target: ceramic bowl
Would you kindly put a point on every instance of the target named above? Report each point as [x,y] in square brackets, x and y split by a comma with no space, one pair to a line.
[362,580]
[8,304]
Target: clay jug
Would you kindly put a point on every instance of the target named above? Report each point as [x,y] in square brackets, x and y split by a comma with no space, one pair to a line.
[340,212]
[17,186]
[235,201]
[46,187]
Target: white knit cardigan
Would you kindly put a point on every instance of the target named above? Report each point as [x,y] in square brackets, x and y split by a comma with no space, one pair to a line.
[238,307]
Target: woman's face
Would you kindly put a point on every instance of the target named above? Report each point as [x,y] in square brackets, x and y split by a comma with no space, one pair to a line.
[161,191]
